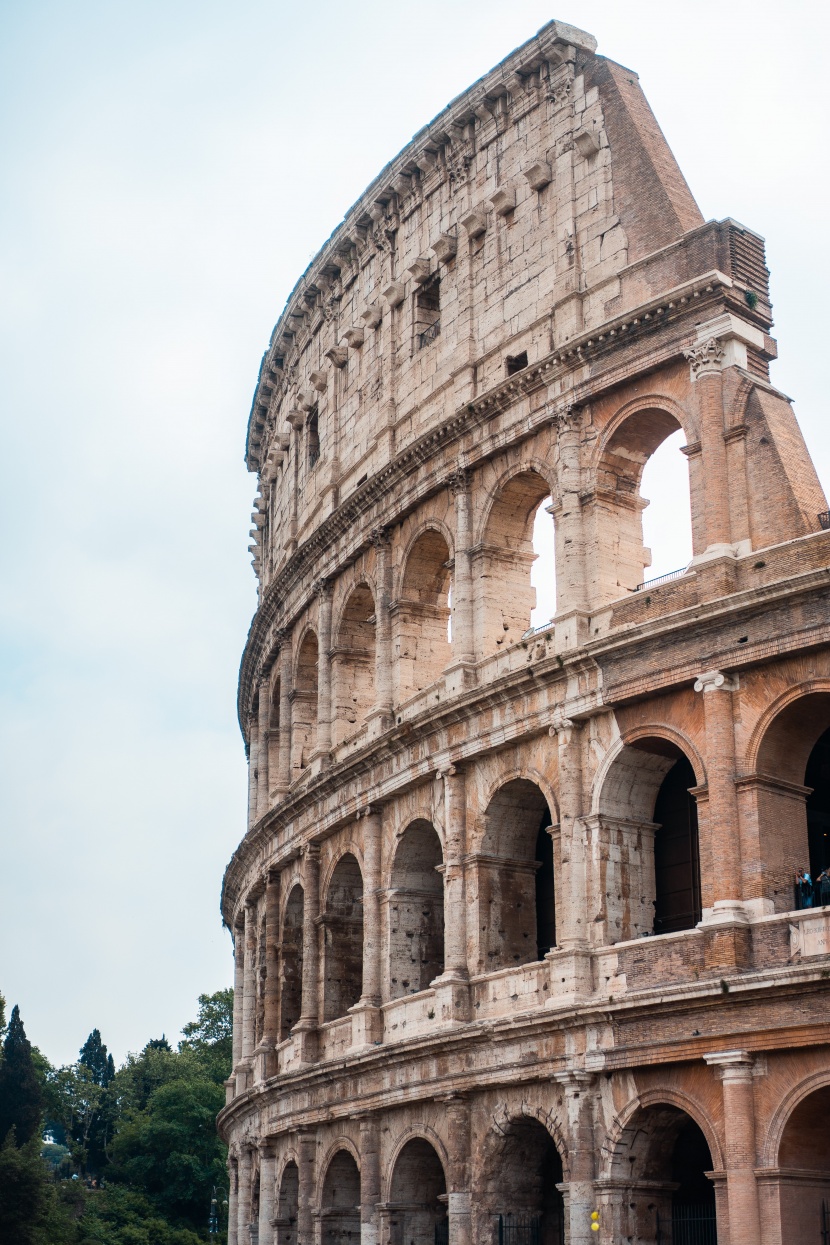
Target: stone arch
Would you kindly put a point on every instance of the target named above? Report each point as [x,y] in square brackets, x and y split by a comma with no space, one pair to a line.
[421,614]
[783,1113]
[340,1197]
[275,725]
[627,442]
[353,662]
[646,849]
[287,1201]
[655,1162]
[523,1165]
[799,1189]
[410,1133]
[512,878]
[342,920]
[417,1191]
[304,702]
[785,796]
[415,909]
[503,557]
[291,960]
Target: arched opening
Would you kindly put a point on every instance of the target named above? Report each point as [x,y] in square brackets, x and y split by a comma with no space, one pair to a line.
[648,877]
[804,1170]
[421,616]
[788,799]
[513,880]
[304,704]
[291,962]
[274,726]
[288,1201]
[543,570]
[353,664]
[340,1203]
[416,911]
[663,1162]
[503,562]
[521,1180]
[261,972]
[343,923]
[622,560]
[418,1196]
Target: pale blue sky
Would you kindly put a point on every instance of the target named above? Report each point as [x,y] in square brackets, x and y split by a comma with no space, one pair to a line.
[167,171]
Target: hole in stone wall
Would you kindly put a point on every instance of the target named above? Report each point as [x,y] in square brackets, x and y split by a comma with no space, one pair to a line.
[515,363]
[343,921]
[667,521]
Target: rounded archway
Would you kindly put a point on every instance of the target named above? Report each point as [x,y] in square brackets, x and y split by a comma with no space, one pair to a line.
[288,1200]
[649,849]
[803,1169]
[660,1186]
[343,923]
[513,878]
[416,911]
[787,801]
[422,614]
[340,1201]
[520,1193]
[291,962]
[418,1196]
[304,704]
[353,664]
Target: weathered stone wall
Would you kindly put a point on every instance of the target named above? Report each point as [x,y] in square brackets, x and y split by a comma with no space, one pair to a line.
[454,999]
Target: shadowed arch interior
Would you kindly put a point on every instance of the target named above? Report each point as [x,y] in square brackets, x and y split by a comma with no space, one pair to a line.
[353,664]
[304,704]
[288,1200]
[418,1194]
[291,962]
[421,616]
[416,911]
[340,1201]
[804,1166]
[343,923]
[513,878]
[502,563]
[520,1180]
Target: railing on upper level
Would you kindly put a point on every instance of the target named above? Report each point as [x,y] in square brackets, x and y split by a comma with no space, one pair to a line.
[661,579]
[429,335]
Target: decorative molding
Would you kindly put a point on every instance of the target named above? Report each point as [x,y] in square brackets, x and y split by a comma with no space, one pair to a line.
[706,359]
[716,681]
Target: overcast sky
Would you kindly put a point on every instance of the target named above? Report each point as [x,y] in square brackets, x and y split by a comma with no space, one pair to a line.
[168,169]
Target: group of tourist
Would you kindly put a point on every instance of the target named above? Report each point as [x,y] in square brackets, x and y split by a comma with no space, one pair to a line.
[810,894]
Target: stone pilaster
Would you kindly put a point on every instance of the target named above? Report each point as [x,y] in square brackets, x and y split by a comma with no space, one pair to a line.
[456,975]
[263,730]
[284,772]
[307,1161]
[253,768]
[324,697]
[271,1019]
[381,717]
[458,1169]
[706,362]
[233,1199]
[369,1178]
[577,1091]
[243,1200]
[267,1178]
[249,985]
[306,1027]
[238,989]
[569,533]
[735,1070]
[572,953]
[461,672]
[368,1021]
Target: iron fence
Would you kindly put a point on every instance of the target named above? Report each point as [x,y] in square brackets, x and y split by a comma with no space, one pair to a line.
[520,1229]
[442,1232]
[660,579]
[825,1224]
[690,1225]
[429,335]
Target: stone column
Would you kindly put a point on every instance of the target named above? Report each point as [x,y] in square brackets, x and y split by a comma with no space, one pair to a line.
[267,1177]
[271,1019]
[458,1173]
[383,713]
[306,1154]
[253,768]
[455,974]
[461,669]
[734,1068]
[238,989]
[306,1026]
[324,698]
[263,730]
[572,956]
[233,1200]
[368,1021]
[580,1201]
[729,946]
[706,365]
[571,617]
[243,1200]
[249,985]
[369,1178]
[284,771]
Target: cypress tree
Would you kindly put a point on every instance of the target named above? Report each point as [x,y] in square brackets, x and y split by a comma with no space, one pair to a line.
[21,1103]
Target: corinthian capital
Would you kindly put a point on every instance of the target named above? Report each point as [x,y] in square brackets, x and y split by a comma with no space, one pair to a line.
[459,481]
[706,359]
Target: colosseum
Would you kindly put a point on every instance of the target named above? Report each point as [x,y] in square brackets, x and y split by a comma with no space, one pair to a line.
[520,955]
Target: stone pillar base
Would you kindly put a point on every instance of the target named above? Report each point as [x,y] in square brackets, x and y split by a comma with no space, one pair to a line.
[265,1061]
[244,1076]
[453,1001]
[727,937]
[379,722]
[367,1024]
[570,629]
[319,761]
[306,1045]
[571,980]
[459,676]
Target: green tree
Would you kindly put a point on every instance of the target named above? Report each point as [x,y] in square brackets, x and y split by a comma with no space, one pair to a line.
[210,1036]
[21,1100]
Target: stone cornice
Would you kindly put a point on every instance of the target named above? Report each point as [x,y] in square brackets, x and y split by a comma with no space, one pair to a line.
[350,518]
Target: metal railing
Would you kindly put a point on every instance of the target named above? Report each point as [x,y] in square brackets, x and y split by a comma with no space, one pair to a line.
[690,1225]
[520,1229]
[824,520]
[429,335]
[825,1224]
[536,630]
[442,1232]
[661,579]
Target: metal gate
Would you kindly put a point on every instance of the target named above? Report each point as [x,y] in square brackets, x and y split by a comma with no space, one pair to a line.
[442,1232]
[690,1225]
[520,1229]
[825,1224]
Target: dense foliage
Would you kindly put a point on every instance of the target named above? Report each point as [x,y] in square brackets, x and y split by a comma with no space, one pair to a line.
[131,1155]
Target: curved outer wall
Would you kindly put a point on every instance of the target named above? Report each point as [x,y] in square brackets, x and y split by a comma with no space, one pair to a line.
[465,986]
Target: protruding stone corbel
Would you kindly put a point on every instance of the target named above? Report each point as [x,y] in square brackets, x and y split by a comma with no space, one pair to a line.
[419,271]
[445,248]
[706,359]
[475,223]
[296,418]
[338,356]
[504,200]
[587,143]
[319,381]
[539,175]
[373,315]
[355,336]
[394,293]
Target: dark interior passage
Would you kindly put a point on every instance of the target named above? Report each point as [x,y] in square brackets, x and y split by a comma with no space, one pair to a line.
[818,809]
[676,852]
[545,891]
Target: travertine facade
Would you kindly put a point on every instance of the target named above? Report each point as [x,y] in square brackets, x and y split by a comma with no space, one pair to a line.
[513,917]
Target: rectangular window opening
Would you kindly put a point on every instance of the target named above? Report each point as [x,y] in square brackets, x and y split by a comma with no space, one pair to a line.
[428,312]
[312,432]
[516,363]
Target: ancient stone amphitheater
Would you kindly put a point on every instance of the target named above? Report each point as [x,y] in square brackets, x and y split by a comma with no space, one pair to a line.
[519,957]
